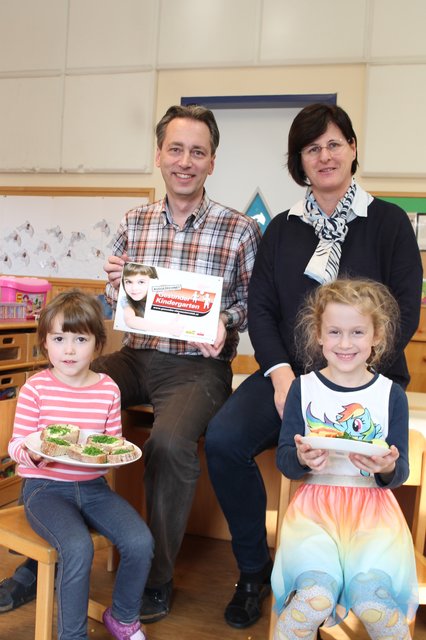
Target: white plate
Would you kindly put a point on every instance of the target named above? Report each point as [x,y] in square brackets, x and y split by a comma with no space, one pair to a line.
[33,443]
[345,445]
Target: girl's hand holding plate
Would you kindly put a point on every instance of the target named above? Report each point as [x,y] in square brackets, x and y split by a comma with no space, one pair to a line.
[376,464]
[309,457]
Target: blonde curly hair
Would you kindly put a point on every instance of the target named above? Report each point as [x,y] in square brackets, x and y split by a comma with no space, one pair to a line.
[370,298]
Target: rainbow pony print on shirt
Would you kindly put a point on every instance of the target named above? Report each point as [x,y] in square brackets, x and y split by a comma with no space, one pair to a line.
[354,422]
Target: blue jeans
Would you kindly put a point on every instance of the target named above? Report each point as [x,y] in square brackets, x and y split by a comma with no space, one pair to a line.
[247,424]
[186,392]
[61,513]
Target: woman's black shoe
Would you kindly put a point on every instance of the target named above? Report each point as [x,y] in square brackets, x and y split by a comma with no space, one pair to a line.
[245,607]
[14,594]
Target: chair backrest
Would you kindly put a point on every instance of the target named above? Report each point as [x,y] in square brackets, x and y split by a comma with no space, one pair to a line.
[114,338]
[417,478]
[244,364]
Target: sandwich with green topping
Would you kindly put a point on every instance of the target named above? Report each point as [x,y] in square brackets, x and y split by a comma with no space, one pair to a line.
[105,442]
[125,453]
[55,446]
[87,453]
[68,432]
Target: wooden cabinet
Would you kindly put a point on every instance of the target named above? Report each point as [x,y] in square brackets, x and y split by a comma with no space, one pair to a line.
[63,284]
[415,353]
[19,358]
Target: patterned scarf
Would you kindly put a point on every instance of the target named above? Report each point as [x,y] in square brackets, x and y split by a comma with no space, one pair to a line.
[331,232]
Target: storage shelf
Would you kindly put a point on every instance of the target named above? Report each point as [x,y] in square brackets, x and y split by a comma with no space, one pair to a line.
[31,366]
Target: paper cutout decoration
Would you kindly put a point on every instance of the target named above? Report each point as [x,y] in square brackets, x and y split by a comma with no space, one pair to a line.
[259,211]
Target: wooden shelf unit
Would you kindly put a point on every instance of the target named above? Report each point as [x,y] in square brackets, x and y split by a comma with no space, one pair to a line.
[19,359]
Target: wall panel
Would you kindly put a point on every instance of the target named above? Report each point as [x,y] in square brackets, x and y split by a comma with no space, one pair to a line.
[395,135]
[398,29]
[30,123]
[112,34]
[108,123]
[196,34]
[32,35]
[297,31]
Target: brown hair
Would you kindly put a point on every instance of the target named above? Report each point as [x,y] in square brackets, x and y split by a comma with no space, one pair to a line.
[82,313]
[370,298]
[308,125]
[191,112]
[137,269]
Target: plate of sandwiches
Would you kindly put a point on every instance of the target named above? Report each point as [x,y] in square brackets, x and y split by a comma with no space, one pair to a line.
[347,445]
[68,444]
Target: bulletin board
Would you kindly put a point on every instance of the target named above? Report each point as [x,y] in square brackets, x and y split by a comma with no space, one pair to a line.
[62,232]
[415,206]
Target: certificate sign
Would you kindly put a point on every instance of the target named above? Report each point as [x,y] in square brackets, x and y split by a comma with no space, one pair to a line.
[168,303]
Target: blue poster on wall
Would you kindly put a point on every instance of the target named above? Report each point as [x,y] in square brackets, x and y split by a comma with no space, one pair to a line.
[258,210]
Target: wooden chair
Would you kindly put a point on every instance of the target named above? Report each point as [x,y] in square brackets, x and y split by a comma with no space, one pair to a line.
[17,535]
[351,628]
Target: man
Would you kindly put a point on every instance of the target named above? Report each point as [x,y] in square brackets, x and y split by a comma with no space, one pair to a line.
[186,382]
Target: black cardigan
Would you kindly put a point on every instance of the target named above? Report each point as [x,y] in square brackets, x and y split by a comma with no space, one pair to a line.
[381,246]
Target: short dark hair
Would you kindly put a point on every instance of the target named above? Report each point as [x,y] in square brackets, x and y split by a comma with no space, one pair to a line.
[191,112]
[308,125]
[82,313]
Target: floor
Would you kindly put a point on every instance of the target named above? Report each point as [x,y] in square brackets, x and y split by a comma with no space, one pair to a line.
[204,579]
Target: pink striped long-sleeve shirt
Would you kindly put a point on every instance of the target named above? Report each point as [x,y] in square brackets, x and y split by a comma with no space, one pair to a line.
[44,400]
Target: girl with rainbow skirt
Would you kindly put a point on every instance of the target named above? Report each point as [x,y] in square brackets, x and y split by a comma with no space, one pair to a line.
[345,543]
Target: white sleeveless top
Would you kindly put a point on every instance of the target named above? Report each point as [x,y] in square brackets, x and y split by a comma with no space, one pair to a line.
[361,413]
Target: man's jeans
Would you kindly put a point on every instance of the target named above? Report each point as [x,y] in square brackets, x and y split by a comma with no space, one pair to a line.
[247,424]
[186,392]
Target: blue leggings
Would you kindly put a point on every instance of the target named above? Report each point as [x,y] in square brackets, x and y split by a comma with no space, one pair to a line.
[61,513]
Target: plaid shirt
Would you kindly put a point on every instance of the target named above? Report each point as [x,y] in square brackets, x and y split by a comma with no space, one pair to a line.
[215,240]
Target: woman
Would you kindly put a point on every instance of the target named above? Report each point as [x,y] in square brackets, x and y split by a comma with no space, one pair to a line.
[337,229]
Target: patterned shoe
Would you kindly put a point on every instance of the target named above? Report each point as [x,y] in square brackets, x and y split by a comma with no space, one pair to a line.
[122,631]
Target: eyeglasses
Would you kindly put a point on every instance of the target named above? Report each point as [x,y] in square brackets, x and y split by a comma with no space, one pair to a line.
[313,151]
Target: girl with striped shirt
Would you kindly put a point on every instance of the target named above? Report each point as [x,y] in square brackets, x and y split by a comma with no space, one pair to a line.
[63,502]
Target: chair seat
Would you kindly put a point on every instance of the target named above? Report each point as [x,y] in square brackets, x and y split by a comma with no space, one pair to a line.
[421,576]
[16,534]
